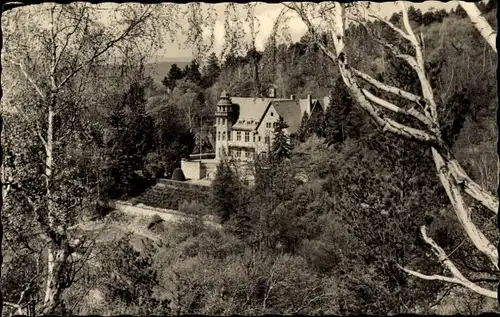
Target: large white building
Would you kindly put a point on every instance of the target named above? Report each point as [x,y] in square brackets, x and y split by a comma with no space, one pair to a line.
[245,126]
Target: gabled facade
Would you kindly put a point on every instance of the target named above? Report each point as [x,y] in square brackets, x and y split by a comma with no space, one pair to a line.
[245,126]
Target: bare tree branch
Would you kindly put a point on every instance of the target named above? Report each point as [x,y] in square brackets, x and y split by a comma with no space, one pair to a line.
[480,23]
[419,67]
[462,210]
[390,89]
[457,278]
[388,23]
[387,105]
[27,76]
[472,188]
[68,36]
[107,47]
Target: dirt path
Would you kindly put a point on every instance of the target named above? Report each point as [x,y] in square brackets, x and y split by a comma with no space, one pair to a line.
[168,215]
[144,211]
[138,217]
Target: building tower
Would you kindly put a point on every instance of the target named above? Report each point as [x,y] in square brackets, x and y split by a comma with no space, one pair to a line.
[223,121]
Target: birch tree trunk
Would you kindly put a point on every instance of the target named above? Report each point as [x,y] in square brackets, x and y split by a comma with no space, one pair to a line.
[59,68]
[480,23]
[454,179]
[56,259]
[56,256]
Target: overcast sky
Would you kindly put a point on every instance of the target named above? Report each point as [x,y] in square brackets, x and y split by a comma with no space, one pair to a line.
[266,13]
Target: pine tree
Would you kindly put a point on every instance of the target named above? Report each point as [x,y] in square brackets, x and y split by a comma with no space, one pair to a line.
[303,133]
[282,147]
[192,73]
[131,139]
[211,71]
[174,74]
[225,198]
[316,122]
[337,118]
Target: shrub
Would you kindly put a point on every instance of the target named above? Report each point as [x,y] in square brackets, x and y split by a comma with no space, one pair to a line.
[118,216]
[153,167]
[155,221]
[192,208]
[178,175]
[103,208]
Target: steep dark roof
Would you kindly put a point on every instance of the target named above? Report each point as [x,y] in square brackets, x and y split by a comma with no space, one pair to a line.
[290,110]
[251,112]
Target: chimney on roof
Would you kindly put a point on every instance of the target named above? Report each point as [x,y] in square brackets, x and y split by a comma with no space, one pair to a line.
[292,97]
[309,103]
[271,92]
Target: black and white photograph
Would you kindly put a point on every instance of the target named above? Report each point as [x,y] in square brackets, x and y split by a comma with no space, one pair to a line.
[293,158]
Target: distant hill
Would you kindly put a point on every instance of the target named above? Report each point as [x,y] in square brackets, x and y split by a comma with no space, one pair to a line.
[158,70]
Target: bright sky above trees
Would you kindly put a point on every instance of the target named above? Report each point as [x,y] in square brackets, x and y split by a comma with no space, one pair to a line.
[266,13]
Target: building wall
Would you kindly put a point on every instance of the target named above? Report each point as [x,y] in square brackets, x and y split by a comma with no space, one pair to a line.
[265,132]
[192,169]
[223,128]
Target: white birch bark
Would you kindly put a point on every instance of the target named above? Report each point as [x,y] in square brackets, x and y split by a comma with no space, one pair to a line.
[458,277]
[480,23]
[451,174]
[61,36]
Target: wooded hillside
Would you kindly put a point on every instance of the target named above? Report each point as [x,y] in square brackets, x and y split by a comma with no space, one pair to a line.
[386,203]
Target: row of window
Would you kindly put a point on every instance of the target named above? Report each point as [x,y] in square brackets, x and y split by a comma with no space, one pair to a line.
[222,136]
[268,125]
[241,153]
[224,121]
[221,120]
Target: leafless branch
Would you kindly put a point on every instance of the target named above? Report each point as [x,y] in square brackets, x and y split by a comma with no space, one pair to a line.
[68,36]
[27,76]
[457,278]
[391,89]
[108,46]
[388,23]
[387,105]
[480,23]
[472,188]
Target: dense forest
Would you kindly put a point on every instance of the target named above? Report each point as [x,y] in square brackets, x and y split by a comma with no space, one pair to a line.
[329,223]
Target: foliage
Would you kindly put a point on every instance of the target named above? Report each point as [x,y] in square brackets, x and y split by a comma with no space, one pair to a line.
[173,139]
[281,147]
[192,73]
[339,123]
[226,192]
[130,140]
[133,280]
[211,71]
[174,74]
[342,197]
[316,123]
[302,132]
